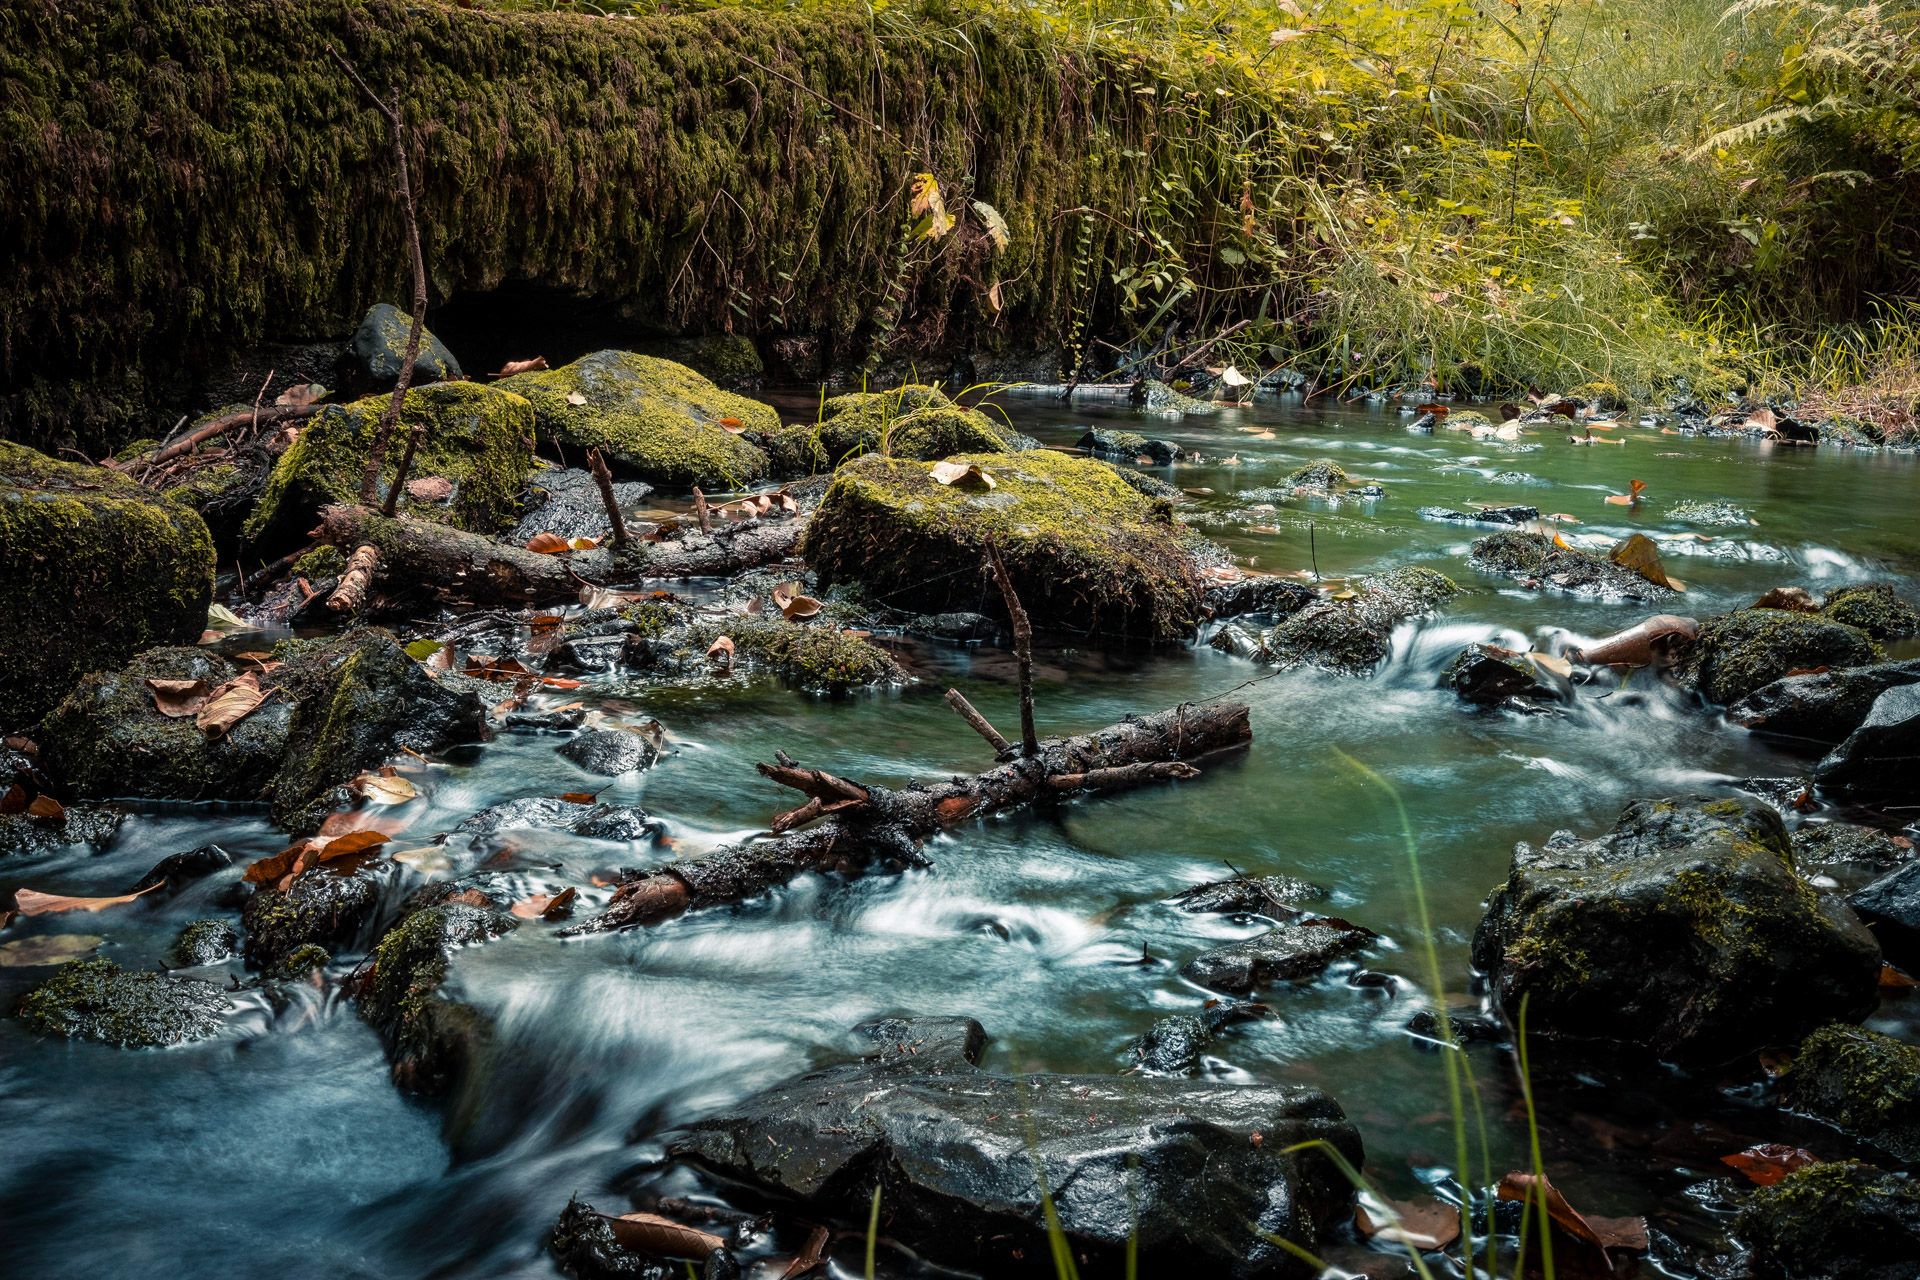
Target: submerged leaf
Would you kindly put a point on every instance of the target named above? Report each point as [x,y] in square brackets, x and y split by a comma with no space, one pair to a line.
[1628,1234]
[1425,1225]
[1770,1162]
[48,949]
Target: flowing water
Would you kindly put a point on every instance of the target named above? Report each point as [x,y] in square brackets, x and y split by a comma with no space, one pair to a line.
[282,1149]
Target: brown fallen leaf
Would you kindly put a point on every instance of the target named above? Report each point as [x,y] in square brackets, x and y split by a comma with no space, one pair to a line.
[548,544]
[15,799]
[46,949]
[579,797]
[282,868]
[45,806]
[721,648]
[1791,599]
[964,474]
[512,367]
[300,395]
[541,906]
[1425,1225]
[660,1237]
[31,902]
[575,399]
[1891,979]
[1638,553]
[229,704]
[1626,1234]
[812,1255]
[1770,1162]
[792,604]
[430,489]
[582,544]
[1630,498]
[384,787]
[178,698]
[1660,640]
[732,426]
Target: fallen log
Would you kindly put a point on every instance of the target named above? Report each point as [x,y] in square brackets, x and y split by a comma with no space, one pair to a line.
[862,825]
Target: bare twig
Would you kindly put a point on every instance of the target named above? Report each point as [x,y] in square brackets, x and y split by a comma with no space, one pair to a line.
[603,476]
[700,510]
[981,725]
[406,465]
[226,422]
[1022,650]
[352,591]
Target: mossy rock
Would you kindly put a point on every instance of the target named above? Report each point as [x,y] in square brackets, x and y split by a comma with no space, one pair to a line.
[93,569]
[203,942]
[654,419]
[1322,474]
[1866,1083]
[1157,397]
[729,360]
[910,422]
[96,999]
[322,908]
[480,438]
[1874,608]
[380,345]
[1737,653]
[1685,933]
[1836,1221]
[1352,636]
[1538,561]
[24,835]
[817,658]
[1090,557]
[432,1040]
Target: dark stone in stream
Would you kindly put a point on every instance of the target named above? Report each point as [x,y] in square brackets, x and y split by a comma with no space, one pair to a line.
[1467,1025]
[1879,761]
[546,721]
[1737,653]
[380,345]
[1835,1221]
[96,999]
[1352,636]
[584,655]
[567,502]
[1823,707]
[583,1244]
[598,821]
[1274,598]
[1483,515]
[203,942]
[432,1040]
[321,907]
[1535,561]
[1683,933]
[955,626]
[960,1156]
[177,870]
[1890,906]
[611,752]
[1865,1083]
[1250,895]
[1848,852]
[23,835]
[1300,949]
[1128,446]
[1489,675]
[1173,1045]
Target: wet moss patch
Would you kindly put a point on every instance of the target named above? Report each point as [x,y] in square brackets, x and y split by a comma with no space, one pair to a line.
[1739,652]
[908,422]
[1866,1083]
[98,1000]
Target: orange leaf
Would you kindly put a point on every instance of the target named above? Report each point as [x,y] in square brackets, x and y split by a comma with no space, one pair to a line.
[1629,1234]
[732,426]
[579,797]
[583,544]
[1770,1162]
[31,902]
[178,698]
[547,544]
[722,647]
[512,367]
[45,806]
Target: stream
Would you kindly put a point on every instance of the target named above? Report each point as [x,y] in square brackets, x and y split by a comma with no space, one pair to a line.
[280,1148]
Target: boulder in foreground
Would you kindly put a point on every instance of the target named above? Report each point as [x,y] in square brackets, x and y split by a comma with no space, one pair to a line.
[1737,653]
[1839,1221]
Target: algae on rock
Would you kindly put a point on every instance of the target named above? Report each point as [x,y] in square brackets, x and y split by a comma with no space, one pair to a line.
[96,999]
[1738,653]
[908,422]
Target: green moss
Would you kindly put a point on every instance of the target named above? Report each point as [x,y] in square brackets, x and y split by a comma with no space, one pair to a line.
[95,569]
[1874,608]
[1088,554]
[95,999]
[478,437]
[1736,653]
[430,1038]
[1840,1218]
[203,942]
[815,658]
[1321,473]
[909,422]
[301,961]
[1862,1081]
[326,561]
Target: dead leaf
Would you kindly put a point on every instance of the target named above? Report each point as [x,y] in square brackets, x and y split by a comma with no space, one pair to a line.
[512,367]
[1770,1162]
[1791,599]
[965,474]
[15,799]
[45,806]
[282,868]
[723,648]
[300,395]
[47,949]
[792,604]
[660,1237]
[178,698]
[1280,35]
[31,902]
[1626,1234]
[1639,554]
[229,704]
[1629,499]
[1891,979]
[929,207]
[383,788]
[575,399]
[1425,1225]
[583,544]
[809,1257]
[430,489]
[548,544]
[732,426]
[546,907]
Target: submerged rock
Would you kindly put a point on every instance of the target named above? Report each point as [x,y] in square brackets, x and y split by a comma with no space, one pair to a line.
[380,346]
[177,870]
[1866,1083]
[1089,556]
[566,501]
[1874,608]
[1294,950]
[1710,513]
[1536,561]
[1128,446]
[1157,397]
[1737,653]
[611,752]
[1683,933]
[1823,707]
[1837,1221]
[1173,1045]
[322,907]
[432,1040]
[1483,515]
[1490,675]
[1880,760]
[959,1155]
[25,835]
[1844,852]
[909,422]
[1353,636]
[598,821]
[1250,895]
[1890,907]
[654,419]
[97,569]
[477,437]
[203,942]
[96,999]
[815,656]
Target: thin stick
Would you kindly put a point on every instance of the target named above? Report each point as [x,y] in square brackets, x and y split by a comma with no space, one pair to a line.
[1022,650]
[406,465]
[1313,549]
[227,422]
[603,476]
[258,396]
[981,725]
[700,510]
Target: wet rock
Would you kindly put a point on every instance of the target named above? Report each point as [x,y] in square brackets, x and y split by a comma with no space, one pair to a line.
[1466,1024]
[909,422]
[1273,598]
[1291,951]
[958,626]
[1489,675]
[583,1244]
[1880,760]
[1890,907]
[1837,1221]
[1157,397]
[178,870]
[1536,561]
[959,1154]
[96,999]
[432,1039]
[1128,446]
[654,419]
[321,907]
[380,346]
[1090,558]
[1737,653]
[1874,608]
[611,752]
[1711,513]
[598,821]
[1848,852]
[97,569]
[1173,1045]
[1353,636]
[1820,708]
[203,942]
[566,501]
[816,656]
[1483,515]
[1683,933]
[1250,895]
[1322,475]
[477,437]
[546,721]
[1865,1083]
[24,835]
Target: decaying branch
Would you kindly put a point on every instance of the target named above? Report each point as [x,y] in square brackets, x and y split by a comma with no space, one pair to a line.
[866,825]
[981,725]
[264,416]
[355,582]
[400,473]
[603,477]
[1022,648]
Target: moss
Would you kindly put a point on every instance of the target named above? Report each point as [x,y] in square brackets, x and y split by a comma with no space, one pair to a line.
[97,1000]
[1321,473]
[730,360]
[1862,1081]
[478,437]
[1088,554]
[430,1038]
[1158,397]
[1874,608]
[93,569]
[815,658]
[203,942]
[300,962]
[1352,636]
[326,561]
[1838,1219]
[909,422]
[1736,653]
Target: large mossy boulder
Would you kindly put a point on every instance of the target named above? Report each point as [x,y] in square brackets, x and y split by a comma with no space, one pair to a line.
[1684,933]
[1197,1177]
[96,999]
[909,422]
[432,1039]
[1089,556]
[380,347]
[93,569]
[1353,634]
[1837,1221]
[1866,1083]
[333,708]
[478,438]
[1737,653]
[655,420]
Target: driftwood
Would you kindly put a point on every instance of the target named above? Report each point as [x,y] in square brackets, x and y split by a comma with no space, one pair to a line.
[981,725]
[219,426]
[864,825]
[603,479]
[355,582]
